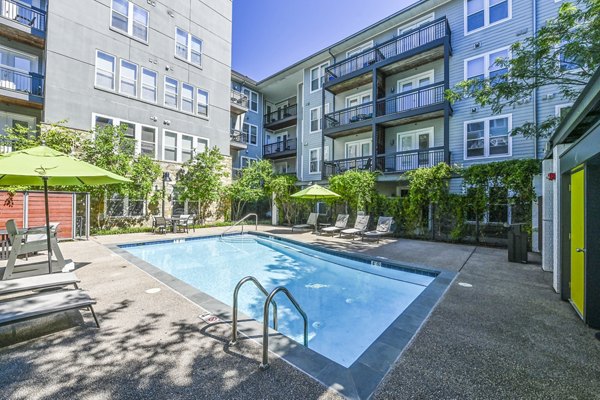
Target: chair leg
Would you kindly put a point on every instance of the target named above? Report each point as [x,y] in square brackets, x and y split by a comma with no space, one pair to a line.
[94,315]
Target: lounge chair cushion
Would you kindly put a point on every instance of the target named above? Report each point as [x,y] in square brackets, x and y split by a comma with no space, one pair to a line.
[37,282]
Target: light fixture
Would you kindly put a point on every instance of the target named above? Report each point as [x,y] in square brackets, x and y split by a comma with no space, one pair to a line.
[474,109]
[154,118]
[477,45]
[167,122]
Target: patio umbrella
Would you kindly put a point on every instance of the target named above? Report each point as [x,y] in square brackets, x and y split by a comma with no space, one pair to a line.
[315,192]
[43,166]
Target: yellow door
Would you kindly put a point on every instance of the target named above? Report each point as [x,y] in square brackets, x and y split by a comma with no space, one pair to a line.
[578,240]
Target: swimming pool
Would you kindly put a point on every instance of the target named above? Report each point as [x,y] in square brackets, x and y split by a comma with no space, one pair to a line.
[348,303]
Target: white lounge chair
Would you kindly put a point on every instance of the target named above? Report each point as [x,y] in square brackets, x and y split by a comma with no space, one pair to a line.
[38,282]
[384,227]
[311,223]
[340,223]
[360,225]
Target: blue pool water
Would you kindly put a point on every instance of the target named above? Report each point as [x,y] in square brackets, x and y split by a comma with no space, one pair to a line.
[349,303]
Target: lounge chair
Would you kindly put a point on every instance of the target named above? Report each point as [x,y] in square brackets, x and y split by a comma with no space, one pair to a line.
[184,223]
[24,308]
[359,226]
[38,282]
[160,224]
[340,223]
[311,222]
[384,226]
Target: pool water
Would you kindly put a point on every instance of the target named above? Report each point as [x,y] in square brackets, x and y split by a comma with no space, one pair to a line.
[349,303]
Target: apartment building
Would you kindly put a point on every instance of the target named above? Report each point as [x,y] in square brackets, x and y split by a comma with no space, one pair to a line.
[375,100]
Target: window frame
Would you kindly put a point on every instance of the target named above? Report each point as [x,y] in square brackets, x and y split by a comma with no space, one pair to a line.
[486,137]
[486,62]
[415,23]
[486,17]
[137,132]
[114,72]
[321,78]
[135,81]
[178,151]
[176,93]
[198,90]
[249,94]
[142,85]
[192,99]
[559,107]
[130,10]
[141,128]
[188,56]
[318,161]
[249,133]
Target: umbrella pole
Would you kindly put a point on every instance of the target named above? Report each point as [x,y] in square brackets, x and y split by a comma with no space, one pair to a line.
[45,179]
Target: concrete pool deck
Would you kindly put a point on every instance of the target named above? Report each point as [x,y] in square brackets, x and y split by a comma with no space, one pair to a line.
[507,336]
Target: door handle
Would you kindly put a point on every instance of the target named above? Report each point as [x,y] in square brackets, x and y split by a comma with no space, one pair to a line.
[580,250]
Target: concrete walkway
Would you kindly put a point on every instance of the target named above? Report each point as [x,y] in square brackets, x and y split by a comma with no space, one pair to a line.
[507,336]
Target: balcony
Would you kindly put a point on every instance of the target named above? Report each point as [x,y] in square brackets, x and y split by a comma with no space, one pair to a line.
[237,140]
[21,88]
[282,118]
[422,45]
[22,22]
[403,161]
[239,102]
[349,120]
[423,103]
[340,166]
[285,148]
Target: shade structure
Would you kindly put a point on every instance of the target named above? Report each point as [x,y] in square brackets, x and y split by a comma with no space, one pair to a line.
[315,192]
[43,166]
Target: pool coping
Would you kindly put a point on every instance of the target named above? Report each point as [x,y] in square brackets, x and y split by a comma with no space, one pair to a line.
[361,379]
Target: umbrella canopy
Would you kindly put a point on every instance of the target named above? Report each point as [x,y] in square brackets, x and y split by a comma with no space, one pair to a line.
[43,166]
[315,192]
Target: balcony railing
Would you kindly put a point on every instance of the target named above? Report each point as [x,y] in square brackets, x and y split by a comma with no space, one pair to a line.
[238,136]
[280,147]
[24,14]
[411,100]
[409,160]
[349,115]
[239,99]
[341,166]
[281,114]
[31,83]
[402,44]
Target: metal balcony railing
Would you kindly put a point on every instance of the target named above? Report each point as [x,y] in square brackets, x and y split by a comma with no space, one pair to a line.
[409,160]
[340,166]
[404,43]
[349,115]
[280,147]
[410,100]
[281,114]
[238,98]
[24,14]
[238,136]
[31,83]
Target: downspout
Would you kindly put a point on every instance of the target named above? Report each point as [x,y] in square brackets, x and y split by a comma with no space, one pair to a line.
[535,90]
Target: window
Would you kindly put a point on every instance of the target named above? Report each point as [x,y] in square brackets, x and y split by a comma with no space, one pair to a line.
[314,166]
[170,146]
[416,24]
[128,129]
[498,206]
[203,102]
[245,162]
[149,83]
[489,137]
[130,19]
[485,66]
[129,76]
[187,148]
[123,206]
[250,133]
[8,120]
[14,66]
[148,142]
[317,76]
[187,98]
[101,122]
[315,119]
[171,92]
[105,70]
[252,98]
[188,47]
[482,13]
[562,110]
[201,145]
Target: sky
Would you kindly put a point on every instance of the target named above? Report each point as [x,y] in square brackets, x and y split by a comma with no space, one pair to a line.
[269,35]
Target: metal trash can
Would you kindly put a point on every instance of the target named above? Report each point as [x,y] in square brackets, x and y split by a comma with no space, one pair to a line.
[517,244]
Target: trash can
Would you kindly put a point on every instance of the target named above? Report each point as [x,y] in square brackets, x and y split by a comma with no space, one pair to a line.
[517,244]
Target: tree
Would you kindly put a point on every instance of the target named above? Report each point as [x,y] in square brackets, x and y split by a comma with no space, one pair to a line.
[201,180]
[251,186]
[283,186]
[356,187]
[565,53]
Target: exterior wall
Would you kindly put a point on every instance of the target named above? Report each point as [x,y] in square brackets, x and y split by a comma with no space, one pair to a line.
[391,134]
[250,117]
[70,92]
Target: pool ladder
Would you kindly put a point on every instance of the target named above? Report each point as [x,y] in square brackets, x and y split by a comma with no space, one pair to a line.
[270,299]
[239,222]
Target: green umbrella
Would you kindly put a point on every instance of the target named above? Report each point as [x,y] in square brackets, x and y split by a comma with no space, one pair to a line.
[315,192]
[43,166]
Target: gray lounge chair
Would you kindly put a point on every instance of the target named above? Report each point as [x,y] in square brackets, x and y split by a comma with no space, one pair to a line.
[360,225]
[38,282]
[340,223]
[160,224]
[25,308]
[384,227]
[311,223]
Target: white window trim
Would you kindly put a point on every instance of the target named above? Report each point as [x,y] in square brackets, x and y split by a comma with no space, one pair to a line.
[207,116]
[486,61]
[486,17]
[250,159]
[415,78]
[250,92]
[142,85]
[250,133]
[178,155]
[320,77]
[430,130]
[137,131]
[319,153]
[177,94]
[114,72]
[135,82]
[193,98]
[188,58]
[139,142]
[357,96]
[359,49]
[129,32]
[416,21]
[486,138]
[559,107]
[34,60]
[310,120]
[359,143]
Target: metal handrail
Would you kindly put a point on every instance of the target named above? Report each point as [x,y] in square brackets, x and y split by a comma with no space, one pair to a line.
[242,220]
[265,356]
[235,305]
